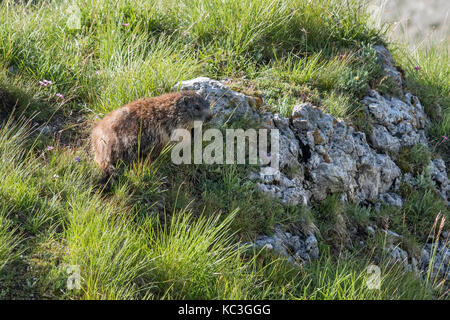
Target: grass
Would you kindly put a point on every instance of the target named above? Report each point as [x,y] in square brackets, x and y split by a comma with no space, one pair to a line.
[414,159]
[94,65]
[420,208]
[125,250]
[170,232]
[222,189]
[9,241]
[427,73]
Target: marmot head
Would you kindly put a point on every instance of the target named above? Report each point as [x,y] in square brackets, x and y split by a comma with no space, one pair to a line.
[193,107]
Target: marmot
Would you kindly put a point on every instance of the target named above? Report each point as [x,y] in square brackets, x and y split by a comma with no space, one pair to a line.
[146,125]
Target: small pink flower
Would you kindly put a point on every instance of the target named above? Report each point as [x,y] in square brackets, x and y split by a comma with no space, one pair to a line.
[97,72]
[445,138]
[126,24]
[417,68]
[45,83]
[60,96]
[50,148]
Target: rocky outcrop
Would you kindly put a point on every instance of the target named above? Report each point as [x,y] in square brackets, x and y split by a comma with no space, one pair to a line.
[320,154]
[227,105]
[396,123]
[297,249]
[433,263]
[435,259]
[286,183]
[439,175]
[388,65]
[341,159]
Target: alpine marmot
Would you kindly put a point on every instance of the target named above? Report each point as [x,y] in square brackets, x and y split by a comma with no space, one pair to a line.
[144,125]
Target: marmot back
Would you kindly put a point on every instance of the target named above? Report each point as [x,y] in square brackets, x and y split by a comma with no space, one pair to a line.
[146,125]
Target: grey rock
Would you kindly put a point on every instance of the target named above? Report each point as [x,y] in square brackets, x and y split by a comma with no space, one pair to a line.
[341,160]
[301,255]
[388,65]
[437,257]
[392,234]
[320,155]
[415,264]
[446,256]
[370,230]
[298,248]
[397,123]
[398,255]
[438,173]
[336,157]
[291,196]
[312,247]
[391,199]
[227,105]
[289,145]
[45,130]
[382,140]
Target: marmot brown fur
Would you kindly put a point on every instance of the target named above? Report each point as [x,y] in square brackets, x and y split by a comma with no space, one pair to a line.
[144,125]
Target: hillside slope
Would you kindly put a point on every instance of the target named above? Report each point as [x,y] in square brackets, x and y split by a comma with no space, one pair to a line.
[364,151]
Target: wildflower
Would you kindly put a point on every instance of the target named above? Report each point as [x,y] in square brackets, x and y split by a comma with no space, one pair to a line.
[357,78]
[60,96]
[77,159]
[417,68]
[125,24]
[50,148]
[97,72]
[445,138]
[55,176]
[45,83]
